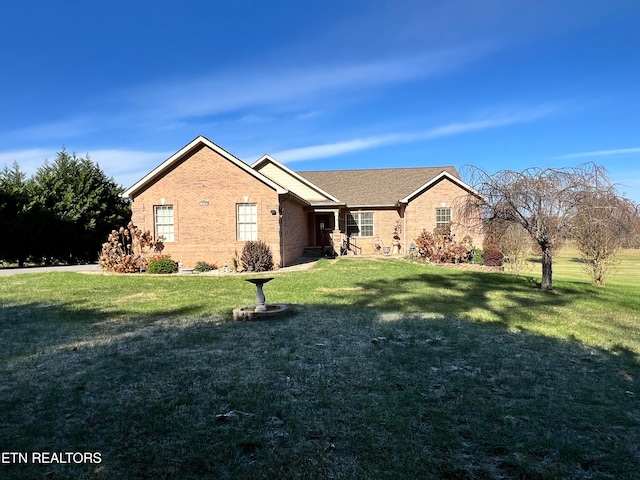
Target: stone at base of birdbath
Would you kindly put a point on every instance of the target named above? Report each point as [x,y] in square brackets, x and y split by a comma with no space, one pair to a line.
[260,310]
[250,313]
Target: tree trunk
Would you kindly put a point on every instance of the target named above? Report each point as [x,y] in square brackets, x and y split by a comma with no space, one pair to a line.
[547,271]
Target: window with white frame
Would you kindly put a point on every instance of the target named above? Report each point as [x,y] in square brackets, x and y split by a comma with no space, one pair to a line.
[443,219]
[163,218]
[360,224]
[247,221]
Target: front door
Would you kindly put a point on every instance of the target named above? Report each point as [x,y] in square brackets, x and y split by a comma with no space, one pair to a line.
[323,226]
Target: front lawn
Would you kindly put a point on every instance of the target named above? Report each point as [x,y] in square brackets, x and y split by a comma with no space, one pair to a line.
[384,369]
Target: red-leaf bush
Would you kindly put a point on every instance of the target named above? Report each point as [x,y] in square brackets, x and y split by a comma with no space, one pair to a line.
[440,247]
[493,256]
[256,256]
[126,250]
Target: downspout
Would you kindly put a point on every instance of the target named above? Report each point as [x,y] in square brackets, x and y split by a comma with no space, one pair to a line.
[404,227]
[402,207]
[281,214]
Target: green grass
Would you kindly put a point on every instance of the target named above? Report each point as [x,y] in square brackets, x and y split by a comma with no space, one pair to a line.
[385,369]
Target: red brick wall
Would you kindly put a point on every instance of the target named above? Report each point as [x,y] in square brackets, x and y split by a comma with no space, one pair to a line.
[208,233]
[295,230]
[384,221]
[421,212]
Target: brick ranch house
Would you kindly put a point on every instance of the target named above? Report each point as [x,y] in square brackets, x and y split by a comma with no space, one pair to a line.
[207,203]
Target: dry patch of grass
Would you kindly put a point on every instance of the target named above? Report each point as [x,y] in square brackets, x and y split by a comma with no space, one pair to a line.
[339,289]
[136,297]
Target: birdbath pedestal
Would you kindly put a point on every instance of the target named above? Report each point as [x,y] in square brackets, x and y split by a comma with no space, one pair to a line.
[260,300]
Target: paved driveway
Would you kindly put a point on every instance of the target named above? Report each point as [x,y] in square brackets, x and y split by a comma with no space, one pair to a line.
[67,268]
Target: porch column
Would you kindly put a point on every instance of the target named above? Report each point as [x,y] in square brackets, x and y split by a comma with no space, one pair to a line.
[336,237]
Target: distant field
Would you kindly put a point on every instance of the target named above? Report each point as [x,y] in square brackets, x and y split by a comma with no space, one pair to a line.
[626,270]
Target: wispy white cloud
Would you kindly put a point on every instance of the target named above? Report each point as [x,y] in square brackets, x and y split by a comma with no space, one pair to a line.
[29,160]
[58,129]
[333,149]
[252,118]
[126,166]
[230,91]
[493,121]
[127,160]
[601,153]
[308,115]
[244,90]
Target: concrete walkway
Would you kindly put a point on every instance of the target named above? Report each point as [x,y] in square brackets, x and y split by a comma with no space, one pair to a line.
[95,268]
[91,268]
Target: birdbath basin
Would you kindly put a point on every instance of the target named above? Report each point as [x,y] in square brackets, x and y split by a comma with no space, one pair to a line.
[259,311]
[260,300]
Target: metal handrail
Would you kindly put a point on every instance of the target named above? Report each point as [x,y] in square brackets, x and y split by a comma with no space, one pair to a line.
[349,243]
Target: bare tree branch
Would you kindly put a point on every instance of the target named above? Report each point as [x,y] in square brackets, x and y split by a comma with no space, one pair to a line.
[546,203]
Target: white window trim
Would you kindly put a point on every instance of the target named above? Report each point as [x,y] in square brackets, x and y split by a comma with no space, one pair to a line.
[167,236]
[357,217]
[441,223]
[241,233]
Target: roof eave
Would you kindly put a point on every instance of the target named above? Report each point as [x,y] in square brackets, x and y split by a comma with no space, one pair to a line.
[377,205]
[317,204]
[298,198]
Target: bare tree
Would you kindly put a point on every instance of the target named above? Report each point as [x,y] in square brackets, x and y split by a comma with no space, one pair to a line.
[543,201]
[603,225]
[516,244]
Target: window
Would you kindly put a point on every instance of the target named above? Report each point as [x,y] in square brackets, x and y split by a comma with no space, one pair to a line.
[163,216]
[247,220]
[360,224]
[443,219]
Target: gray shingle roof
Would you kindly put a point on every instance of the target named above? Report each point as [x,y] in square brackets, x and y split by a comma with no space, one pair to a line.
[374,187]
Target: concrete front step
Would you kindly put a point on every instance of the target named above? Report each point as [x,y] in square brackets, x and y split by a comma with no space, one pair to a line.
[316,252]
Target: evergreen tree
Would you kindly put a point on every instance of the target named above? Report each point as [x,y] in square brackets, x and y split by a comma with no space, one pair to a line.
[79,205]
[18,221]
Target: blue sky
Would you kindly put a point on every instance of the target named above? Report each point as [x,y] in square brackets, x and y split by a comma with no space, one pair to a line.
[500,84]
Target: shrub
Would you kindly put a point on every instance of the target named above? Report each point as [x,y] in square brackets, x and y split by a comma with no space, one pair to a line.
[204,267]
[476,256]
[162,264]
[516,244]
[493,257]
[256,256]
[440,247]
[126,250]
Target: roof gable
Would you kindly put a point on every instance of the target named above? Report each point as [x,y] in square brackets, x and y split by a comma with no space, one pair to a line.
[293,182]
[184,153]
[442,175]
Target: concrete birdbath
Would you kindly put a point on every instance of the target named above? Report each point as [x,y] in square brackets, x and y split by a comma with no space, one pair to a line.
[260,310]
[259,282]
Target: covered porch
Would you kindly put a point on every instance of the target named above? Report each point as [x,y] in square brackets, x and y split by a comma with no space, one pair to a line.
[328,235]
